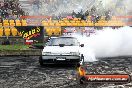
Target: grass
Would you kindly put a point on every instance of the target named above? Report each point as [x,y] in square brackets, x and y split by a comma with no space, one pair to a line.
[14,47]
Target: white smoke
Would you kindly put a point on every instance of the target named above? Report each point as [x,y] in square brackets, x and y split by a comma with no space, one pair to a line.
[89,55]
[118,7]
[107,43]
[58,7]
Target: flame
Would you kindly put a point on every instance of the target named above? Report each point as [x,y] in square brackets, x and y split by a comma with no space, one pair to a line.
[81,71]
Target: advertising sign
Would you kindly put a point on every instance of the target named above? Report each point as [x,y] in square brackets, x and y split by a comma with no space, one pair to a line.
[34,33]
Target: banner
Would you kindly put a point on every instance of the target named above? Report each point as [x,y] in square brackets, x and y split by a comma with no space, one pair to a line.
[34,33]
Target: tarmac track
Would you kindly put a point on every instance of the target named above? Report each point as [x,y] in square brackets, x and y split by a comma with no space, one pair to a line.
[25,72]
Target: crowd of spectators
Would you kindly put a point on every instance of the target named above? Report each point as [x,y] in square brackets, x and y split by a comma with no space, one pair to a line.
[93,13]
[94,16]
[10,9]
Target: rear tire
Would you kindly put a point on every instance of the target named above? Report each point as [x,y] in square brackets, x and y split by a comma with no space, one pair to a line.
[82,80]
[41,61]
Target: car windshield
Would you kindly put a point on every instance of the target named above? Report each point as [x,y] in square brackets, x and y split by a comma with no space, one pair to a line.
[63,40]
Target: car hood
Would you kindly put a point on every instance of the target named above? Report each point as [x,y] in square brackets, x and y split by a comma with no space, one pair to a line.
[58,49]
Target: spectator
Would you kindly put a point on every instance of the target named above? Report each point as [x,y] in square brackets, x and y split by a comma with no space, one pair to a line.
[87,13]
[73,14]
[10,9]
[6,42]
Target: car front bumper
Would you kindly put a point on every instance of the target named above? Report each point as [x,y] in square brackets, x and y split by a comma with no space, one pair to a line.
[61,58]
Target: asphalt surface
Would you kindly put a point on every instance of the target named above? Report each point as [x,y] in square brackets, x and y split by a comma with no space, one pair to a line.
[25,72]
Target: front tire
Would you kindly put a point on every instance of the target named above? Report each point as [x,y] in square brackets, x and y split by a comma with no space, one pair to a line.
[82,80]
[41,61]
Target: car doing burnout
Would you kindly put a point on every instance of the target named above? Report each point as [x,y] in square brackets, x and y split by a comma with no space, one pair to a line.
[61,50]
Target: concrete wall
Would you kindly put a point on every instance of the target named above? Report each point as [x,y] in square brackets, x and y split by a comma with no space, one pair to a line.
[31,52]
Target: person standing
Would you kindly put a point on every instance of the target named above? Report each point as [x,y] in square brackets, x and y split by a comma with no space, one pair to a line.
[35,6]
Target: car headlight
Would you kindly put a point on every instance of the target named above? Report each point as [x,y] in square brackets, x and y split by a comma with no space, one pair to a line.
[74,53]
[46,53]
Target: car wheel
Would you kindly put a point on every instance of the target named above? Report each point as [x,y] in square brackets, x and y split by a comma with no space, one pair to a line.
[82,80]
[41,61]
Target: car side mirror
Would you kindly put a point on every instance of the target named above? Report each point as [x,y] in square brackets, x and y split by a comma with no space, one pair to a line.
[48,40]
[82,45]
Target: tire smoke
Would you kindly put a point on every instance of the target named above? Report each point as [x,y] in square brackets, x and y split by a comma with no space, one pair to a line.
[107,43]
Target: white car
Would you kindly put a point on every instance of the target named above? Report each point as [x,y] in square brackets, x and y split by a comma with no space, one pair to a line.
[61,50]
